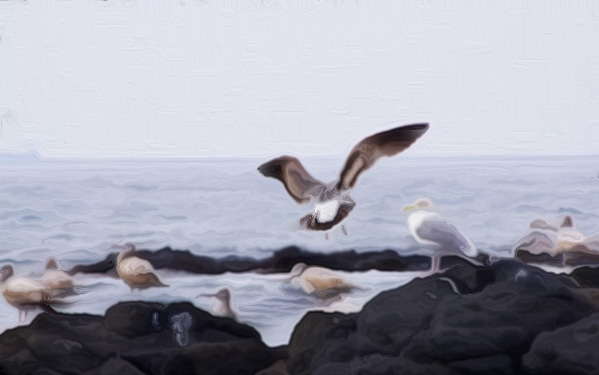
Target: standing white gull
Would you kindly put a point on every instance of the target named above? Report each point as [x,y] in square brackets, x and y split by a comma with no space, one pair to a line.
[436,233]
[332,201]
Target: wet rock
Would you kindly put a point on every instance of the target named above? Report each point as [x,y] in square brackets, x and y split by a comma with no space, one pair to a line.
[475,317]
[135,338]
[383,260]
[470,319]
[103,266]
[542,258]
[567,350]
[586,276]
[576,256]
[281,261]
[179,327]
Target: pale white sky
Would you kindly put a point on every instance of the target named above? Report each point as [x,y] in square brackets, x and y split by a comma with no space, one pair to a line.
[259,78]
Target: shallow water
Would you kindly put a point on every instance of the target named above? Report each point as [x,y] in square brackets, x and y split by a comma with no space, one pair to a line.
[75,211]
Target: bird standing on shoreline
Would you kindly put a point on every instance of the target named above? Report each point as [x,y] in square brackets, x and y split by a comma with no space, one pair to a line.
[322,282]
[434,232]
[222,305]
[136,272]
[22,292]
[332,201]
[561,240]
[56,281]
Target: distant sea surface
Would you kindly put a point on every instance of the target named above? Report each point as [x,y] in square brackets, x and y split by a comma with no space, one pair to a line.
[77,210]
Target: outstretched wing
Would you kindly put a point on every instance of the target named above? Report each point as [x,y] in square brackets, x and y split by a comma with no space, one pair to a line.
[365,153]
[299,184]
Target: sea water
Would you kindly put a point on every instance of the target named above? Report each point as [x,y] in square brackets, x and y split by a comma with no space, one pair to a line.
[78,211]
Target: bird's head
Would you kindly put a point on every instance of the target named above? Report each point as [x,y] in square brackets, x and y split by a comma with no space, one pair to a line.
[127,250]
[6,272]
[222,295]
[271,170]
[567,222]
[51,264]
[420,204]
[298,268]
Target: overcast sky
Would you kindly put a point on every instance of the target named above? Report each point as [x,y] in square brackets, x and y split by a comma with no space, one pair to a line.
[257,78]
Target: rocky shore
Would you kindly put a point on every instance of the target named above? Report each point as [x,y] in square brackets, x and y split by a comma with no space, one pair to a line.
[505,317]
[281,261]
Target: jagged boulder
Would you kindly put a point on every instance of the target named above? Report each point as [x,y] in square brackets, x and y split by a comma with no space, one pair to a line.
[468,320]
[135,338]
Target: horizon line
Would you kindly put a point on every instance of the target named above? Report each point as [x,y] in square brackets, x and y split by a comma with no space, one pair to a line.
[33,155]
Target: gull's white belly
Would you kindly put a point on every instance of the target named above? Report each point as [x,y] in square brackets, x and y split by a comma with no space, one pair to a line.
[326,212]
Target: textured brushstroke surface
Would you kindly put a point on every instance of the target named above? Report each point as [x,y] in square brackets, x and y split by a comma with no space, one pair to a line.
[255,78]
[219,225]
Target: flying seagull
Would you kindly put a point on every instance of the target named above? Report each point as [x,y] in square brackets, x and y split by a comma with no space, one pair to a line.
[332,201]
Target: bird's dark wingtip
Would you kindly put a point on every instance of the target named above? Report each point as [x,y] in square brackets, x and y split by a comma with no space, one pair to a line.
[418,129]
[421,126]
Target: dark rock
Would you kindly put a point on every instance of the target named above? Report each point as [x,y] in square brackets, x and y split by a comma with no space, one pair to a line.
[106,265]
[128,341]
[578,255]
[468,320]
[567,350]
[543,258]
[586,276]
[281,261]
[493,318]
[186,261]
[385,260]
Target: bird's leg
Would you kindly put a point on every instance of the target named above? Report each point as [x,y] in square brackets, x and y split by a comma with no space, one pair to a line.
[326,236]
[343,229]
[22,316]
[328,301]
[435,263]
